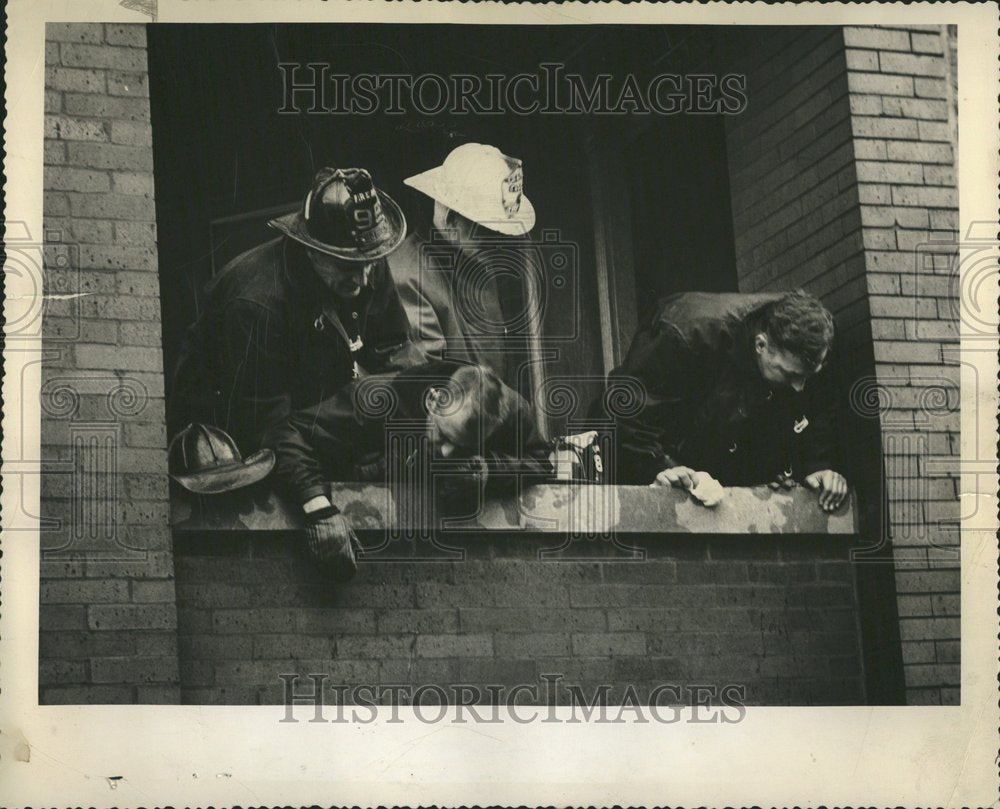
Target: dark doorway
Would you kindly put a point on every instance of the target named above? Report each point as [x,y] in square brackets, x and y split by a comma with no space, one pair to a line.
[225,156]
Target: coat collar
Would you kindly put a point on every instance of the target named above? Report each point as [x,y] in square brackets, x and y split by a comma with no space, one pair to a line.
[316,299]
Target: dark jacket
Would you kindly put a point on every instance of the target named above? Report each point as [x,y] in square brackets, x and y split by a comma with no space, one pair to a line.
[369,430]
[705,404]
[272,338]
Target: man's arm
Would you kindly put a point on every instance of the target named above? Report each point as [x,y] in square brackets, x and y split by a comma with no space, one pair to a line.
[426,332]
[390,344]
[817,445]
[311,441]
[819,463]
[516,450]
[649,400]
[255,350]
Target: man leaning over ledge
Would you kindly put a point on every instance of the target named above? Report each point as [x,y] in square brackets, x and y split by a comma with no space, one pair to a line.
[460,431]
[290,322]
[725,380]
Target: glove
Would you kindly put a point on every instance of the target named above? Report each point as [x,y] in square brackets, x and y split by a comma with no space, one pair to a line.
[332,541]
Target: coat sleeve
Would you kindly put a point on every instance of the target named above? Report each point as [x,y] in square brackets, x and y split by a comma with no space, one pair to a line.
[389,345]
[255,394]
[649,400]
[516,451]
[311,441]
[426,332]
[817,447]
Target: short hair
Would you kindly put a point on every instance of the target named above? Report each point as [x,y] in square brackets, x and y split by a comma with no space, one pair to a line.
[480,389]
[800,324]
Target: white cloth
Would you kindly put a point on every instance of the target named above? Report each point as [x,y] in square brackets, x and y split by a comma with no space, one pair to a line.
[707,490]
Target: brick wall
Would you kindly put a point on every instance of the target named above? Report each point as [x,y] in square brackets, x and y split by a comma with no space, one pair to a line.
[841,169]
[777,615]
[902,123]
[108,616]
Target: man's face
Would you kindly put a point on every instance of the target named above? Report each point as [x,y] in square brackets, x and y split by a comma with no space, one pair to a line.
[780,368]
[453,427]
[344,278]
[453,434]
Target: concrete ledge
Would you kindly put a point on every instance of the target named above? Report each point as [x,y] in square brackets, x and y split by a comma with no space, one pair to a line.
[549,508]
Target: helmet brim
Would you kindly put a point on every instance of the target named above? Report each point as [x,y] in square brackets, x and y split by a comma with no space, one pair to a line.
[432,183]
[294,226]
[250,470]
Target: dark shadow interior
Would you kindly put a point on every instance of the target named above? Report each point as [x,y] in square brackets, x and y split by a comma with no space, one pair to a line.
[225,157]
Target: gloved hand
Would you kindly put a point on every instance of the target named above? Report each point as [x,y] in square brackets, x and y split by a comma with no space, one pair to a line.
[332,542]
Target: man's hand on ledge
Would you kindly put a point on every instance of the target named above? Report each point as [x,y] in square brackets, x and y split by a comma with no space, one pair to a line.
[831,487]
[703,487]
[680,477]
[782,481]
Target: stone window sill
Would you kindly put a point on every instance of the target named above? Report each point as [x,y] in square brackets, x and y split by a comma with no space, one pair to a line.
[548,508]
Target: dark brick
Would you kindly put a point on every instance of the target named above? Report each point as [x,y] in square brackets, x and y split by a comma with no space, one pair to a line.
[425,620]
[479,645]
[533,619]
[216,647]
[62,617]
[291,646]
[62,672]
[645,572]
[334,621]
[147,616]
[532,645]
[84,592]
[632,669]
[360,646]
[725,572]
[88,695]
[134,670]
[609,644]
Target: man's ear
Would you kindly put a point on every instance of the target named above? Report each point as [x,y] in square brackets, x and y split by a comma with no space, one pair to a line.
[431,399]
[760,342]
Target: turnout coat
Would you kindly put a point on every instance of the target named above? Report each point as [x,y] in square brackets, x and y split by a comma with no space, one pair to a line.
[698,400]
[272,338]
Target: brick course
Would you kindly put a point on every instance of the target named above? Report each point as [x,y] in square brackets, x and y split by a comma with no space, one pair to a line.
[115,590]
[783,623]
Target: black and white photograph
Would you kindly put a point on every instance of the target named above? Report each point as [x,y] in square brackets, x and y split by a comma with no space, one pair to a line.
[585,373]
